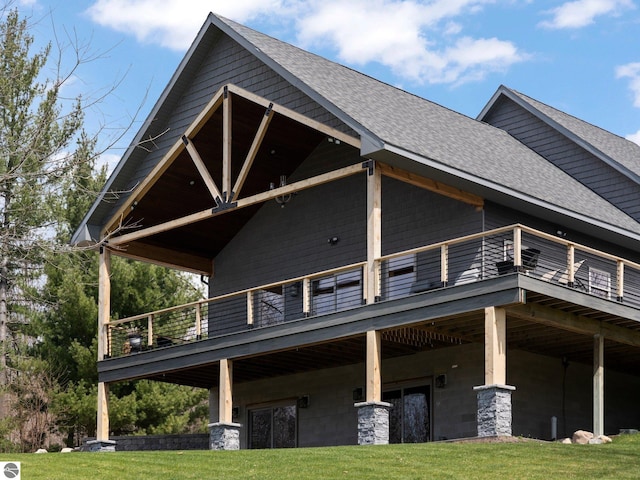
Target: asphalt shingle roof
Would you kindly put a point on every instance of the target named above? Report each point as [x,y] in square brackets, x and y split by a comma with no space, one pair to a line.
[389,117]
[433,132]
[615,148]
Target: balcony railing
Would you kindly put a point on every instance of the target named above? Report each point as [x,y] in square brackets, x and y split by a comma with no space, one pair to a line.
[466,259]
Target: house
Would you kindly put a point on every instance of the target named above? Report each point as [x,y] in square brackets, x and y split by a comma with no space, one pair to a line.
[380,268]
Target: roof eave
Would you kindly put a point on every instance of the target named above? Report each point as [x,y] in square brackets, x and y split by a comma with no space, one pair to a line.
[483,185]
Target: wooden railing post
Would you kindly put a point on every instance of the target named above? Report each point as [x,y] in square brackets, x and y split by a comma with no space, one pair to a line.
[306,296]
[250,307]
[150,330]
[444,264]
[198,321]
[517,248]
[620,281]
[570,265]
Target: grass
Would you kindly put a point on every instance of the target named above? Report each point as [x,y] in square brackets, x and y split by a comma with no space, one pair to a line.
[518,460]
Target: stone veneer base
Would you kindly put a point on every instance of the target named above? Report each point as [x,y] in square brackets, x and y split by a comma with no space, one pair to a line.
[373,423]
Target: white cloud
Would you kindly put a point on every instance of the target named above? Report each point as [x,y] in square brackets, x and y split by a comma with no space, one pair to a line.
[580,13]
[171,23]
[631,71]
[634,137]
[419,40]
[406,36]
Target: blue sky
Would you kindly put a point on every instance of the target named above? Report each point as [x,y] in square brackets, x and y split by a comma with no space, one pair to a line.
[581,56]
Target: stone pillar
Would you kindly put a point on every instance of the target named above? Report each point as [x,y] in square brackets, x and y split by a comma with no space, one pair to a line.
[494,410]
[224,436]
[100,446]
[373,423]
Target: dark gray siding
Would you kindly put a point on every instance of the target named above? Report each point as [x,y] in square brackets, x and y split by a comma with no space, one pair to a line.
[566,155]
[226,62]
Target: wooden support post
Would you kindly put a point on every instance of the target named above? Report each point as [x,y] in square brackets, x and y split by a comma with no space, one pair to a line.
[104,301]
[226,145]
[102,426]
[225,399]
[374,362]
[598,385]
[374,232]
[495,345]
[104,308]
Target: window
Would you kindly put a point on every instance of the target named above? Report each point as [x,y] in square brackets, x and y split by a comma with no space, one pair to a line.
[409,416]
[599,283]
[273,427]
[337,292]
[401,275]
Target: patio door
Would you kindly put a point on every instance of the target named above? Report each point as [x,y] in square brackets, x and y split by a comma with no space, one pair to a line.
[409,417]
[273,427]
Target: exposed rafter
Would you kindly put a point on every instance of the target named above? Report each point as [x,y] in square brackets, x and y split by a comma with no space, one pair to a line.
[432,185]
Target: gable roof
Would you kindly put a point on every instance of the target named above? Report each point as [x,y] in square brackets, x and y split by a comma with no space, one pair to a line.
[395,125]
[618,152]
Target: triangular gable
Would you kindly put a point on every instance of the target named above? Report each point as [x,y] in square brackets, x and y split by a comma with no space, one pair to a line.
[617,152]
[233,112]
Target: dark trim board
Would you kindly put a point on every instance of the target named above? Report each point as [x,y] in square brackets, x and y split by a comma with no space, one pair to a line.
[384,315]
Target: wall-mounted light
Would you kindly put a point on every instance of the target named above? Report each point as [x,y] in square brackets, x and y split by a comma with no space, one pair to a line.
[441,380]
[358,394]
[303,402]
[333,241]
[334,140]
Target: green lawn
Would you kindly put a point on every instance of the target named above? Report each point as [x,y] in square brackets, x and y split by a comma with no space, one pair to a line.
[521,460]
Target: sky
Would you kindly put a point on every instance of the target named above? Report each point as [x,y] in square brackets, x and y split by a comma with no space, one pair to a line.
[580,56]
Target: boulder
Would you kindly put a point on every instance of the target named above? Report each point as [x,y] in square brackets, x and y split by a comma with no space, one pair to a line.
[66,450]
[605,439]
[566,441]
[582,437]
[595,441]
[41,450]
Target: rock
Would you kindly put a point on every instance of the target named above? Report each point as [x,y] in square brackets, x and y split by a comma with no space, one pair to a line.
[66,450]
[566,441]
[605,439]
[582,437]
[595,441]
[41,450]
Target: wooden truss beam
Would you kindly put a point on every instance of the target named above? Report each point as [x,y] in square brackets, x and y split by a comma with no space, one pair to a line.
[203,171]
[574,323]
[431,185]
[243,202]
[253,151]
[221,98]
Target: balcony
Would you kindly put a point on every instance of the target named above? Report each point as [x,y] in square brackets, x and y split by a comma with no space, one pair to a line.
[474,258]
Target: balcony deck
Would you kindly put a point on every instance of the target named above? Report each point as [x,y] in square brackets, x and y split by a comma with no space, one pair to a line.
[429,297]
